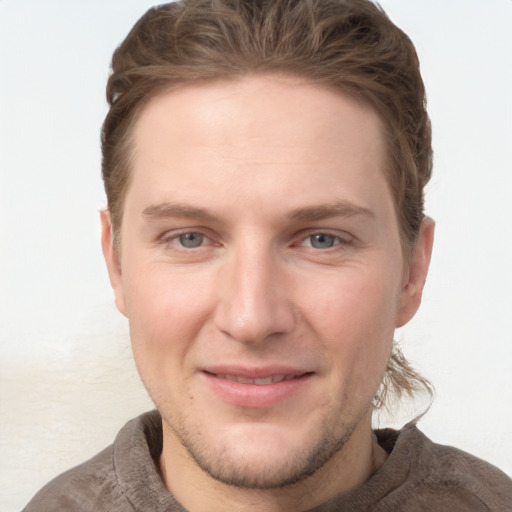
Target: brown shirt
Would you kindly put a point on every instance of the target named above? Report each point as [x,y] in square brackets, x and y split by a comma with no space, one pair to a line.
[418,475]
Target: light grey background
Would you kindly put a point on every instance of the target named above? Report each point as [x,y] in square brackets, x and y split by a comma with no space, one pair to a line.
[67,382]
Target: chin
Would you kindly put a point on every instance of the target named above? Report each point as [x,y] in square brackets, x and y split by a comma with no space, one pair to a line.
[262,456]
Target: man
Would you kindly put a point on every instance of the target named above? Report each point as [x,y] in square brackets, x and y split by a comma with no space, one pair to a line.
[264,164]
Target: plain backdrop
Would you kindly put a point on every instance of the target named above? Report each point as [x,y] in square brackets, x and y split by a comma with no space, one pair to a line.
[67,381]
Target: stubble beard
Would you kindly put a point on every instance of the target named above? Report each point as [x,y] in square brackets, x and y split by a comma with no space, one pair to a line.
[220,465]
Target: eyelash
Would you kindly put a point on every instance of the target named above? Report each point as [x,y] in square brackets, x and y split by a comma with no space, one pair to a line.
[170,238]
[338,241]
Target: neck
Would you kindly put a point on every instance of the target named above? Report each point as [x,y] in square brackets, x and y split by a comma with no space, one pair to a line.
[349,468]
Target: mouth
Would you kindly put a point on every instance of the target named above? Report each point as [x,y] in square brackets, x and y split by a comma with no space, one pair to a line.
[262,381]
[257,389]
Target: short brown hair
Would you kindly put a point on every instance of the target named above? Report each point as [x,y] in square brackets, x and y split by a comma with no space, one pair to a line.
[350,45]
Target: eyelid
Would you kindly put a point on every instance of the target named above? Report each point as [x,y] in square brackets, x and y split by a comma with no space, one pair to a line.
[343,237]
[172,235]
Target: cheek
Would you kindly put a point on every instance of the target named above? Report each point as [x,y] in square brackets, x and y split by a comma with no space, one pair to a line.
[356,322]
[165,313]
[354,304]
[165,316]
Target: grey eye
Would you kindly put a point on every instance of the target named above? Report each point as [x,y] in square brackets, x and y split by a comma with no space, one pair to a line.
[322,241]
[191,240]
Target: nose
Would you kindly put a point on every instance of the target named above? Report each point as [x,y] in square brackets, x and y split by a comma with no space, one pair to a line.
[255,302]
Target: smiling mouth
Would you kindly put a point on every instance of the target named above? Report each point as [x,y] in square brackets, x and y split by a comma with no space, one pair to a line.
[256,388]
[262,381]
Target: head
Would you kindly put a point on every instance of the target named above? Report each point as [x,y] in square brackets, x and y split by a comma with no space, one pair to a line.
[264,163]
[347,45]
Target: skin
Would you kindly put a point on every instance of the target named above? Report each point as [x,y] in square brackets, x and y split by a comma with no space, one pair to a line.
[259,238]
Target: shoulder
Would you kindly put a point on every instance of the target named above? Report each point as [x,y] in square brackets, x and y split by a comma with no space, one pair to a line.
[99,484]
[82,488]
[446,477]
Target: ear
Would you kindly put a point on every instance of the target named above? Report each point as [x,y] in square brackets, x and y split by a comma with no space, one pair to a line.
[111,255]
[416,274]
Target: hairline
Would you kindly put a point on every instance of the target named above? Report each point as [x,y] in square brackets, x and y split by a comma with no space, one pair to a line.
[129,145]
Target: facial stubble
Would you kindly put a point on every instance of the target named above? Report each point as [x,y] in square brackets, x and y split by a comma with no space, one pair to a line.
[242,474]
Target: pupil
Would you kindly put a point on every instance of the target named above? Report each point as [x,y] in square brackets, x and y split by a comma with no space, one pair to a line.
[191,240]
[322,241]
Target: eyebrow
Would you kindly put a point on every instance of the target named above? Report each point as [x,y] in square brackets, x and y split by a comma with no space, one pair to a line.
[337,209]
[169,209]
[311,213]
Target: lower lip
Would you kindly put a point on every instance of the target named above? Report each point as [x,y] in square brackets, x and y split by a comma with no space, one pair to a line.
[255,395]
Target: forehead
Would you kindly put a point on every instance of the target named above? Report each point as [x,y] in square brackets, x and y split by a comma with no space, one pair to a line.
[270,135]
[206,113]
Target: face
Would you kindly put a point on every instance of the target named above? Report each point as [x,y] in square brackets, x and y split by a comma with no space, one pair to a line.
[262,273]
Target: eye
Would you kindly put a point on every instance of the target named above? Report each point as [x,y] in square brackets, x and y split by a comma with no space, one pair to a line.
[321,241]
[191,240]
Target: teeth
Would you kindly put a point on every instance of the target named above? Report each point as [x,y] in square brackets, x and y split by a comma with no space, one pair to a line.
[244,380]
[266,380]
[260,382]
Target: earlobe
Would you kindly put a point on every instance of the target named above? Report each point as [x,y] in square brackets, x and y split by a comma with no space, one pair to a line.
[410,297]
[112,260]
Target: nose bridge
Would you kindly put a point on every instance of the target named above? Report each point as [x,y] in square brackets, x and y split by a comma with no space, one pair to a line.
[254,303]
